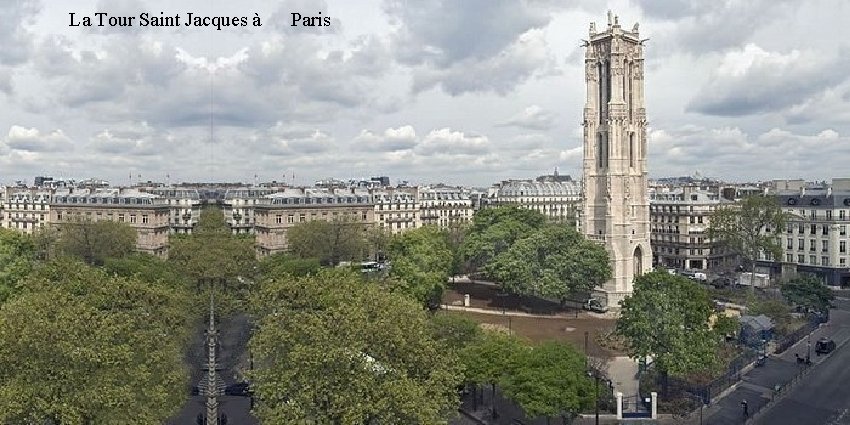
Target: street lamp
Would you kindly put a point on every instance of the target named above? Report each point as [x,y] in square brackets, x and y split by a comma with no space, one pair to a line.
[596,376]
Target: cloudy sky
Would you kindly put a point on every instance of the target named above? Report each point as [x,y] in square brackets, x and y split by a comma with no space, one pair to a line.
[466,92]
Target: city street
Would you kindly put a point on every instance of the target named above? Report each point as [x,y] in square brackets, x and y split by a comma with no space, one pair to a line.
[823,396]
[819,398]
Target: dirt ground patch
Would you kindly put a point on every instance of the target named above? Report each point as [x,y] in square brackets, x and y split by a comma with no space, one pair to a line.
[538,330]
[488,296]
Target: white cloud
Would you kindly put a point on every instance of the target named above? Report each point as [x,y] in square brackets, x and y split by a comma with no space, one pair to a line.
[534,118]
[393,139]
[447,141]
[32,140]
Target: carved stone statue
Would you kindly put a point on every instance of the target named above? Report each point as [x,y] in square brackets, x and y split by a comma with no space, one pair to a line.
[609,18]
[592,28]
[635,28]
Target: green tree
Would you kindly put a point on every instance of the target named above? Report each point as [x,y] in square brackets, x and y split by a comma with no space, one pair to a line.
[551,379]
[17,258]
[455,330]
[553,262]
[494,230]
[334,349]
[329,241]
[80,347]
[492,358]
[808,291]
[146,267]
[95,241]
[667,318]
[421,261]
[456,234]
[377,240]
[749,228]
[284,264]
[212,250]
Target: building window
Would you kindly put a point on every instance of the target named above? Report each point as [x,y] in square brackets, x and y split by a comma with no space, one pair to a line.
[120,218]
[132,218]
[801,259]
[790,244]
[59,216]
[812,245]
[842,230]
[825,229]
[290,218]
[144,218]
[278,219]
[801,245]
[789,258]
[824,261]
[302,218]
[841,214]
[842,247]
[813,229]
[842,261]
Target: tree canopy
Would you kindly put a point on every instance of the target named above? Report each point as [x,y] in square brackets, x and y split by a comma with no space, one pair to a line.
[79,346]
[332,348]
[808,291]
[552,262]
[17,258]
[421,260]
[212,250]
[329,241]
[551,379]
[667,317]
[95,241]
[749,228]
[282,263]
[494,230]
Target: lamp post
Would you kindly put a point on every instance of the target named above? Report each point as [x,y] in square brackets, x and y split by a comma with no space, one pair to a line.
[596,376]
[809,349]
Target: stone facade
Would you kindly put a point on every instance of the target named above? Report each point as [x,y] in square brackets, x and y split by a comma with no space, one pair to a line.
[147,214]
[444,206]
[275,214]
[616,203]
[25,209]
[679,224]
[397,209]
[557,200]
[817,238]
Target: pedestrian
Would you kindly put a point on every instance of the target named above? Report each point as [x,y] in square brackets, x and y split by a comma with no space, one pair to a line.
[745,408]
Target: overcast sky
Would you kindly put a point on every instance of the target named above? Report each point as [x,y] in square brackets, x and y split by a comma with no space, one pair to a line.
[466,92]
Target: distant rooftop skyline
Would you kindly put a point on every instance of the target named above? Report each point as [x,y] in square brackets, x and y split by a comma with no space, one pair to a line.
[427,92]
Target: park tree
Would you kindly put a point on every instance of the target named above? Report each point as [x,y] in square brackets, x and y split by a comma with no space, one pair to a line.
[146,267]
[330,241]
[285,264]
[454,330]
[95,241]
[808,291]
[79,346]
[212,251]
[456,234]
[494,230]
[492,358]
[667,318]
[421,262]
[749,228]
[17,258]
[551,380]
[377,240]
[553,262]
[332,348]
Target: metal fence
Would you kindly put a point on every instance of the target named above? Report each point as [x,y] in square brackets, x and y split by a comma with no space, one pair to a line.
[799,334]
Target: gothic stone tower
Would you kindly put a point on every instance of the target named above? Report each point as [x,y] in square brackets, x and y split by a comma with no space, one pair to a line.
[616,205]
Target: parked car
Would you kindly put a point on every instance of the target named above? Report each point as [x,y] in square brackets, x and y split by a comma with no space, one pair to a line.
[695,275]
[824,346]
[595,306]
